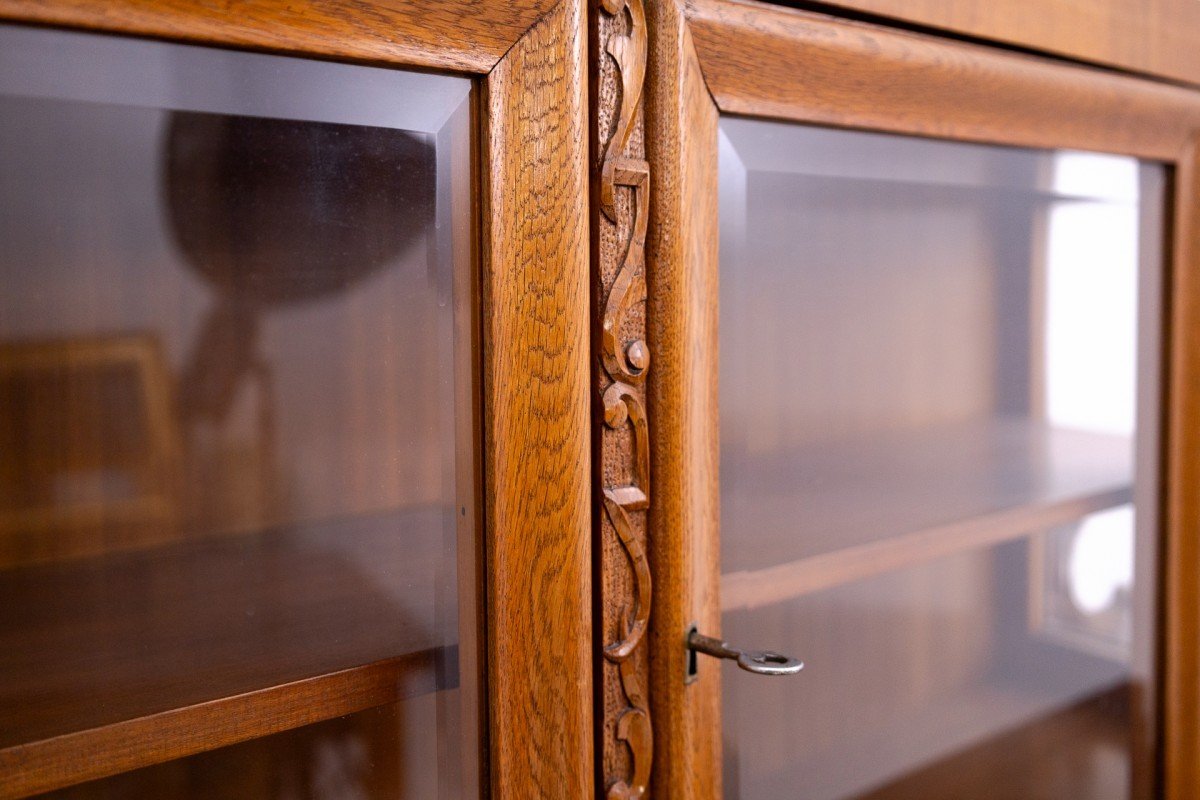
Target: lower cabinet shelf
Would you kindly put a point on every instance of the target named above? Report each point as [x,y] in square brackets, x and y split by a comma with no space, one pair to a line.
[1089,740]
[981,740]
[207,643]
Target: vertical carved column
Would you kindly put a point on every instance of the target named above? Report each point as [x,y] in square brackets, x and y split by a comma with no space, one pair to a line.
[622,182]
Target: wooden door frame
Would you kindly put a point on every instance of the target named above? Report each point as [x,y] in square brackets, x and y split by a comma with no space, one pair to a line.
[530,59]
[709,57]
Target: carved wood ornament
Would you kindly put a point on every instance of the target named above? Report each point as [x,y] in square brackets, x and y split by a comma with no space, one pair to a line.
[623,466]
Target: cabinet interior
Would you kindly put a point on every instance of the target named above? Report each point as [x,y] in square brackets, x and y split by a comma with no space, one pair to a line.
[235,418]
[918,446]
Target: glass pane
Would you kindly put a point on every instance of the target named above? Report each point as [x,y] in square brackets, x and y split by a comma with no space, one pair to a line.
[938,419]
[236,453]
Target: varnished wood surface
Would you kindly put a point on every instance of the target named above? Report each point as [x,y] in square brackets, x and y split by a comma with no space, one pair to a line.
[767,61]
[537,400]
[458,35]
[229,720]
[681,124]
[810,518]
[361,755]
[142,657]
[622,181]
[1181,670]
[1160,37]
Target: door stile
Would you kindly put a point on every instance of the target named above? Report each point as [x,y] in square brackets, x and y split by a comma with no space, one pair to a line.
[535,400]
[681,147]
[1180,739]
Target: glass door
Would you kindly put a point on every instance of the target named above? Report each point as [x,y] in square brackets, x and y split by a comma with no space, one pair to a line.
[939,432]
[237,453]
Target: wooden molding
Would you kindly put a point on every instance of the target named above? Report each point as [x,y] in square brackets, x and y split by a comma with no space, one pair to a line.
[681,146]
[781,63]
[536,390]
[458,35]
[1180,704]
[622,440]
[1151,36]
[765,61]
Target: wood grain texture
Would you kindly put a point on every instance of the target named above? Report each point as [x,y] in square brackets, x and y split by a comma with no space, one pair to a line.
[772,62]
[681,146]
[1160,37]
[456,35]
[621,180]
[1181,655]
[537,463]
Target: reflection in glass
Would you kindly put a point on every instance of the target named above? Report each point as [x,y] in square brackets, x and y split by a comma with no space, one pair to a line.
[938,378]
[234,454]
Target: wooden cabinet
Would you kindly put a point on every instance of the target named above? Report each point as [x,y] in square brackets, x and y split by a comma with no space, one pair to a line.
[896,493]
[295,402]
[391,393]
[939,462]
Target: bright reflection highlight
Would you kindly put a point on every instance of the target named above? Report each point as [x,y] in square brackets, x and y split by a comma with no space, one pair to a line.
[1091,295]
[1100,566]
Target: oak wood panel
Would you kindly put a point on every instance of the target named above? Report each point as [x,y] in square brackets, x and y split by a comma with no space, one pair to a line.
[1160,37]
[681,124]
[448,34]
[1181,595]
[772,62]
[147,656]
[536,374]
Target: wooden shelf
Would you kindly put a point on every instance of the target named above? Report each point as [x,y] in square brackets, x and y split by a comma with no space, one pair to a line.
[810,519]
[1081,752]
[886,749]
[115,663]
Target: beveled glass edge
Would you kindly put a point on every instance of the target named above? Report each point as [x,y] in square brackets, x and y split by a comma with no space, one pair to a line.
[103,68]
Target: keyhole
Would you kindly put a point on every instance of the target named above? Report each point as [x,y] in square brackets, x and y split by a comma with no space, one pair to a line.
[693,659]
